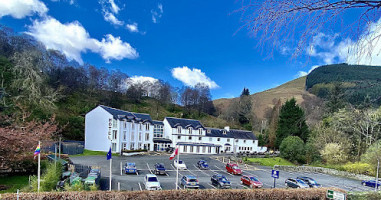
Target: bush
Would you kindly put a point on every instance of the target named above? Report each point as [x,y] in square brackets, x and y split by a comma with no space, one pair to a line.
[49,178]
[292,149]
[333,153]
[312,154]
[359,168]
[372,154]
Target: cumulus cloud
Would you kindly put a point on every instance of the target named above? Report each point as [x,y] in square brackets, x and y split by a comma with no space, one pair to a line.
[133,27]
[142,79]
[21,8]
[72,39]
[191,77]
[157,13]
[304,73]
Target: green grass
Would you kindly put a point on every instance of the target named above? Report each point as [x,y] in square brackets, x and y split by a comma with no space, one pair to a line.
[14,183]
[270,161]
[93,153]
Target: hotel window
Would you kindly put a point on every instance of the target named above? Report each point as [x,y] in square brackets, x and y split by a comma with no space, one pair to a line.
[200,131]
[203,149]
[147,136]
[208,131]
[209,149]
[147,126]
[190,130]
[114,123]
[218,139]
[113,147]
[236,140]
[140,126]
[199,138]
[210,139]
[140,145]
[124,146]
[140,136]
[224,132]
[198,149]
[190,137]
[125,124]
[179,129]
[253,141]
[124,135]
[132,125]
[228,140]
[185,149]
[114,134]
[132,136]
[244,141]
[132,146]
[178,137]
[191,149]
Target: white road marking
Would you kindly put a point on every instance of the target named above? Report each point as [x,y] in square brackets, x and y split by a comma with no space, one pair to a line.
[140,186]
[149,168]
[201,170]
[176,170]
[211,186]
[223,171]
[137,173]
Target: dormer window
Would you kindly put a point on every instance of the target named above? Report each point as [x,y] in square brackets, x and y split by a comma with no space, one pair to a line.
[208,131]
[200,131]
[224,132]
[179,129]
[190,130]
[147,126]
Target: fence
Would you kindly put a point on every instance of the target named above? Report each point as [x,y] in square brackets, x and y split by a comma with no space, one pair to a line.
[72,147]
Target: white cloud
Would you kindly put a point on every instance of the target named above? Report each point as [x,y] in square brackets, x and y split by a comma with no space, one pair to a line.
[21,8]
[142,79]
[191,77]
[133,27]
[304,73]
[110,17]
[157,13]
[71,2]
[114,8]
[72,39]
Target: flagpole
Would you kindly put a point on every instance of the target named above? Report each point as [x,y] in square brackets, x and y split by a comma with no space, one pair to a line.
[110,170]
[177,168]
[38,170]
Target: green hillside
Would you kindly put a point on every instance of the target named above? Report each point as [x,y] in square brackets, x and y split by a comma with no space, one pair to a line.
[357,82]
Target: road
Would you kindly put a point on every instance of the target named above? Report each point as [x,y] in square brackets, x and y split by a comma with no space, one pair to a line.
[145,163]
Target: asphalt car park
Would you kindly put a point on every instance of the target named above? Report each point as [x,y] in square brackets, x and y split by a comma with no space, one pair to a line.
[145,165]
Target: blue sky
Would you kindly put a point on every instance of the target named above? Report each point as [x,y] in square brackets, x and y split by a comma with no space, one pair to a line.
[182,42]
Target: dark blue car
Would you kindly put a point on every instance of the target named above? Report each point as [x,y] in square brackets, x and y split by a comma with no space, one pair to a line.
[202,164]
[371,183]
[130,168]
[220,181]
[159,168]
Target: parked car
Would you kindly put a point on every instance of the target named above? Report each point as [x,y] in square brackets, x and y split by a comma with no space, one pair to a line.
[251,181]
[151,182]
[220,181]
[189,182]
[233,168]
[180,165]
[310,181]
[295,183]
[371,183]
[130,168]
[202,164]
[159,168]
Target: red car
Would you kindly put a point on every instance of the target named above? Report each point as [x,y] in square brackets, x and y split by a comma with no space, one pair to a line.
[233,168]
[251,181]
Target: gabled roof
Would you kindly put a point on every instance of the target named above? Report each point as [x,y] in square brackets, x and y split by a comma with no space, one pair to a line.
[184,123]
[128,116]
[155,122]
[232,133]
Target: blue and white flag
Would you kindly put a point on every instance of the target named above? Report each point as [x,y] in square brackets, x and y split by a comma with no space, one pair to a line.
[109,154]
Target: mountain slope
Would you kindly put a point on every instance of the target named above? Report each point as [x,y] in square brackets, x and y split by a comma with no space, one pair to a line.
[263,101]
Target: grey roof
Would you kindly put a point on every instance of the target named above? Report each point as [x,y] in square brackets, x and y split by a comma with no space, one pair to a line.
[232,133]
[185,123]
[129,116]
[155,122]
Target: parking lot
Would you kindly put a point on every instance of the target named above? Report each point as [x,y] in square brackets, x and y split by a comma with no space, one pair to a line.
[145,165]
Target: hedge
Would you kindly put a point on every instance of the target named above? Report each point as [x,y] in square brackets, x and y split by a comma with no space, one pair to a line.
[297,194]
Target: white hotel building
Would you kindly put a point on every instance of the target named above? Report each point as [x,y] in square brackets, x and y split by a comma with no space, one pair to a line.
[123,130]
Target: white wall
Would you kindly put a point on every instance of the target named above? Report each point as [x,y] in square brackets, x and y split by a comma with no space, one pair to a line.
[96,130]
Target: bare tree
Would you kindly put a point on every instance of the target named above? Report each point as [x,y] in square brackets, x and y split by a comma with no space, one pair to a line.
[277,22]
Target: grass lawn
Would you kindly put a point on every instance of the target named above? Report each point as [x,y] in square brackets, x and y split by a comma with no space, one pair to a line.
[270,161]
[14,183]
[93,153]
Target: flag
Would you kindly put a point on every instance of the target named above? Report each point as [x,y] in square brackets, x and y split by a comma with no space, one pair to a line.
[175,153]
[37,151]
[109,155]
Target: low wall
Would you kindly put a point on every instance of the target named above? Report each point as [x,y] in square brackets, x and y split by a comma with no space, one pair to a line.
[263,194]
[323,170]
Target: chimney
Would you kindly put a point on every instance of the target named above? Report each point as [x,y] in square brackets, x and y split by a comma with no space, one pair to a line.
[227,128]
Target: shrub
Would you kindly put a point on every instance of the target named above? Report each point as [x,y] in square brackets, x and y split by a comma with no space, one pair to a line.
[312,154]
[292,149]
[49,178]
[359,168]
[372,154]
[333,153]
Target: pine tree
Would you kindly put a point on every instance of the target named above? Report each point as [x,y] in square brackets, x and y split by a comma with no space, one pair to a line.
[291,122]
[274,119]
[244,109]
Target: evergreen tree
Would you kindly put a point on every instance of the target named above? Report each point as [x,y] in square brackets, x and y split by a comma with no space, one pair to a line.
[244,109]
[291,122]
[335,101]
[274,119]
